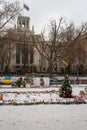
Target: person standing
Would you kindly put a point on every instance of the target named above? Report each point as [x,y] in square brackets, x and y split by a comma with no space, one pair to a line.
[19,82]
[42,81]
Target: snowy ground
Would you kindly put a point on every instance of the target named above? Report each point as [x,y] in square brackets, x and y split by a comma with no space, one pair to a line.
[43,117]
[48,95]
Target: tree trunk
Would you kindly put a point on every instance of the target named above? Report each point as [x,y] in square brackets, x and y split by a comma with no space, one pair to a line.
[50,69]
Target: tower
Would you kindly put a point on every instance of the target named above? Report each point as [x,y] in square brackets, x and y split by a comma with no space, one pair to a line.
[23,22]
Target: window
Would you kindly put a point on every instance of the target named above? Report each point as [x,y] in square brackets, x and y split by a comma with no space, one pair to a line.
[25,54]
[23,23]
[43,61]
[31,55]
[20,22]
[18,54]
[44,68]
[55,69]
[27,23]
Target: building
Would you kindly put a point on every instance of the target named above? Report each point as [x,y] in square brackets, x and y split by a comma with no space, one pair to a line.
[24,57]
[21,55]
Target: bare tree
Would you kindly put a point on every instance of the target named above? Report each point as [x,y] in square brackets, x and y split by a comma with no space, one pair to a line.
[61,42]
[73,50]
[48,46]
[8,13]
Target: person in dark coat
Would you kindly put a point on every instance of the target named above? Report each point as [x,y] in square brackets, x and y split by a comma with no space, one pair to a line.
[19,82]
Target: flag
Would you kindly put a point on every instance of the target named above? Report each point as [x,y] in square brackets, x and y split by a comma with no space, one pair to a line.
[26,7]
[64,62]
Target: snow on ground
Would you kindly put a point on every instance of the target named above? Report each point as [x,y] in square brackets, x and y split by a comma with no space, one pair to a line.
[36,95]
[8,88]
[43,117]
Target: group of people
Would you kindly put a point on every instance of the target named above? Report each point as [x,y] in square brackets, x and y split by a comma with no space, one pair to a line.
[22,82]
[19,83]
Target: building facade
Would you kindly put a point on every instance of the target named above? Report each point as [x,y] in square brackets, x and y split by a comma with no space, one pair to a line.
[24,57]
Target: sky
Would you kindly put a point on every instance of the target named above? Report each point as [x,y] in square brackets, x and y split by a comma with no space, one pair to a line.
[41,12]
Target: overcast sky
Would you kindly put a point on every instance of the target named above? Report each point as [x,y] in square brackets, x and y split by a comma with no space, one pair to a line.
[42,11]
